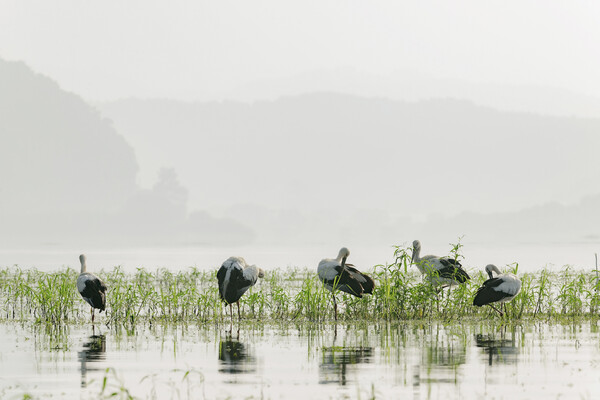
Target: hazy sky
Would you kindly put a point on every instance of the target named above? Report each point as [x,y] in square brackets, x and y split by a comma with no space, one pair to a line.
[105,50]
[231,173]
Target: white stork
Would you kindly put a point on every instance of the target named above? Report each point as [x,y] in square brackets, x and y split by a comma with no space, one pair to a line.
[91,288]
[337,275]
[440,271]
[502,288]
[235,277]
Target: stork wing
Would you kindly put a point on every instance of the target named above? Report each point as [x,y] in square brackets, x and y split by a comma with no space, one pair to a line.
[453,270]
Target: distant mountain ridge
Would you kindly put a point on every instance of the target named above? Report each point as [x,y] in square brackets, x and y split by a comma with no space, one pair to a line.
[313,168]
[319,166]
[67,176]
[376,145]
[57,150]
[407,85]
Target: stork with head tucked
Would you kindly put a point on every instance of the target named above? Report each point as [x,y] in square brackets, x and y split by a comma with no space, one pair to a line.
[337,275]
[235,277]
[501,289]
[91,288]
[439,271]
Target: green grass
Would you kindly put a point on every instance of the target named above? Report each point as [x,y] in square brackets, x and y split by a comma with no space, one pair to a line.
[288,294]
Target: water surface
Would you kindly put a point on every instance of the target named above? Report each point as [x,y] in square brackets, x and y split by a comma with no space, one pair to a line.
[530,256]
[428,360]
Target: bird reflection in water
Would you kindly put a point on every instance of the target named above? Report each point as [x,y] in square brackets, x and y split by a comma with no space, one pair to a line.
[502,351]
[234,356]
[444,353]
[338,361]
[94,351]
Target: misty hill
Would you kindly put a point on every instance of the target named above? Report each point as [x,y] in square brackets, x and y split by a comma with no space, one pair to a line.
[318,168]
[329,151]
[549,222]
[67,176]
[57,151]
[409,85]
[325,167]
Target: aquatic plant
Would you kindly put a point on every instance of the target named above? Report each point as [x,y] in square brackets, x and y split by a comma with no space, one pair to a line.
[113,386]
[191,296]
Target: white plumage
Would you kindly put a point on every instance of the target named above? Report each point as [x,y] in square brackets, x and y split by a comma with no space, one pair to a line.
[439,271]
[235,278]
[499,289]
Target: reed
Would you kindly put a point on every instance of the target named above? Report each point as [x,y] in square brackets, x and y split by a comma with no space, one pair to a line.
[191,296]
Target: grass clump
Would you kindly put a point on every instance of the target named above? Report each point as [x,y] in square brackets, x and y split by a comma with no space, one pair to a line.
[191,296]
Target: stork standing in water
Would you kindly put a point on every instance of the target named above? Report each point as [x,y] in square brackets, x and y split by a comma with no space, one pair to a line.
[235,277]
[91,288]
[502,288]
[440,271]
[337,275]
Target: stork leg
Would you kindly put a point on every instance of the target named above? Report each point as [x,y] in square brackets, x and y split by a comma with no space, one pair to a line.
[92,311]
[334,306]
[239,315]
[498,311]
[231,312]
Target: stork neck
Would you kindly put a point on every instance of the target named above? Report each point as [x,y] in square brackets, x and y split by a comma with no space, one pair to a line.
[342,255]
[490,269]
[415,256]
[83,267]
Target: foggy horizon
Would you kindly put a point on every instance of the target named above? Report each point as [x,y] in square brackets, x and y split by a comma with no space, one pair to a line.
[196,133]
[291,216]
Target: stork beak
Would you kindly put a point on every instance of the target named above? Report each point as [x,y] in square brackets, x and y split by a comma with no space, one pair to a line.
[344,261]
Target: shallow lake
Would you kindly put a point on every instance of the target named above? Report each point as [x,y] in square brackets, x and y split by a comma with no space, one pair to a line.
[530,256]
[426,360]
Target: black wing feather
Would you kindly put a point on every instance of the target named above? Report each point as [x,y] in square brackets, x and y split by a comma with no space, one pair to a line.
[346,283]
[350,280]
[486,294]
[236,287]
[221,273]
[453,270]
[447,262]
[95,291]
[367,283]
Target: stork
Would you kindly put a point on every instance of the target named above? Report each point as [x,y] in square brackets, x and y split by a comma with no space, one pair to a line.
[440,271]
[501,289]
[91,288]
[337,275]
[235,277]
